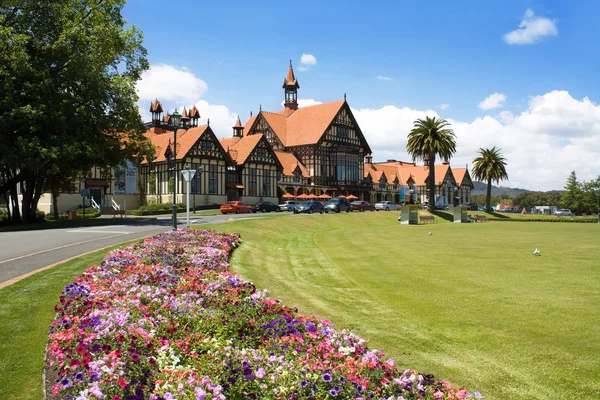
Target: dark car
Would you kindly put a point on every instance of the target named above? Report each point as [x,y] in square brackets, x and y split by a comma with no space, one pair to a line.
[470,206]
[265,206]
[361,206]
[309,207]
[337,204]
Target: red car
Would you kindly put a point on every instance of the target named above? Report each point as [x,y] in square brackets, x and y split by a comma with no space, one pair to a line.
[235,207]
[361,206]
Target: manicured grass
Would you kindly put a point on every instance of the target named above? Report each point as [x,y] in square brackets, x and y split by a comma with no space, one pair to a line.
[469,303]
[26,311]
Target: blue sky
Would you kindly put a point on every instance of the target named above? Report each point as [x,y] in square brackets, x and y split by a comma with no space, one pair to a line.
[433,52]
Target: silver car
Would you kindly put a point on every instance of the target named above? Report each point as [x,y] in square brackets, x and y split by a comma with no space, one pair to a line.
[386,205]
[565,212]
[288,205]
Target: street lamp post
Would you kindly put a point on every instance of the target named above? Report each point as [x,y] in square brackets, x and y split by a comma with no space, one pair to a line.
[175,118]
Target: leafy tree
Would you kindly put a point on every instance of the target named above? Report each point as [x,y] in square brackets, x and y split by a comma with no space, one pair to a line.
[571,197]
[589,196]
[68,70]
[489,166]
[429,138]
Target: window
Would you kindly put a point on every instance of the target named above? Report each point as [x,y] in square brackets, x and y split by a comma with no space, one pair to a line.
[267,183]
[252,181]
[347,167]
[195,189]
[213,179]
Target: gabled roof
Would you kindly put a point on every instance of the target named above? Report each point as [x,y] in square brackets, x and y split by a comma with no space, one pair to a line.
[238,123]
[278,123]
[290,163]
[184,114]
[307,125]
[460,175]
[241,147]
[249,124]
[161,139]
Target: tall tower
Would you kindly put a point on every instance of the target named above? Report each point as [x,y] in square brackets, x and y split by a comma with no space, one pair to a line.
[290,86]
[156,110]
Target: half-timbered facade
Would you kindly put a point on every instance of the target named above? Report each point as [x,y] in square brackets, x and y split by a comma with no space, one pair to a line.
[325,140]
[253,173]
[197,148]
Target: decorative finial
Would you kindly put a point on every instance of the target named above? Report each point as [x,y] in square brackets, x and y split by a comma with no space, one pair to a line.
[250,114]
[208,122]
[290,63]
[344,96]
[260,108]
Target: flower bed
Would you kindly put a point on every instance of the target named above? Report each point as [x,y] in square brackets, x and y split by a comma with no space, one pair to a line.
[167,319]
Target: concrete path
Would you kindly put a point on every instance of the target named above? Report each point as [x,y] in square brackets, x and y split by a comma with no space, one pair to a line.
[24,252]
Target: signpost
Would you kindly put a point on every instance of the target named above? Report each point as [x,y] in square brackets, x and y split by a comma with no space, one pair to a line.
[84,194]
[409,215]
[461,215]
[188,175]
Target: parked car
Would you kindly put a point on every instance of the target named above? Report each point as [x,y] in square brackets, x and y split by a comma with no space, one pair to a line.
[309,207]
[288,205]
[265,206]
[337,204]
[361,206]
[563,212]
[470,206]
[236,207]
[386,205]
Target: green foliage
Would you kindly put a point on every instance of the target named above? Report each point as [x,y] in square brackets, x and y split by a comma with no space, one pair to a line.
[572,195]
[429,138]
[490,167]
[68,70]
[529,200]
[152,183]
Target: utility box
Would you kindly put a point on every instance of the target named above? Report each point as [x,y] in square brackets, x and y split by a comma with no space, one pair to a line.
[460,214]
[72,214]
[409,215]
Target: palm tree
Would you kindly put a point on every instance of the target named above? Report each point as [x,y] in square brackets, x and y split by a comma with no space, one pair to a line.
[429,138]
[490,166]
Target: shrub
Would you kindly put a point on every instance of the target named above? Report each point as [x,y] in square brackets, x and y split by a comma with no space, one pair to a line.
[167,319]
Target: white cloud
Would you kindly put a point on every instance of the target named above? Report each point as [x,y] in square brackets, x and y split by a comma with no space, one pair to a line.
[531,30]
[176,88]
[169,83]
[306,102]
[308,59]
[554,135]
[383,78]
[495,100]
[444,106]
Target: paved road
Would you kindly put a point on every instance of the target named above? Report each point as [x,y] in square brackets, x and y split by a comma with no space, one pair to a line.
[27,251]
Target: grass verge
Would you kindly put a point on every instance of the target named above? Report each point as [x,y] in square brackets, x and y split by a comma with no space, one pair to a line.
[468,303]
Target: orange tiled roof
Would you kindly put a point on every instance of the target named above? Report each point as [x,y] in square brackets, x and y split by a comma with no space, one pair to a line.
[184,114]
[290,79]
[166,117]
[238,123]
[162,139]
[459,174]
[249,124]
[241,147]
[277,121]
[156,106]
[194,113]
[306,125]
[290,162]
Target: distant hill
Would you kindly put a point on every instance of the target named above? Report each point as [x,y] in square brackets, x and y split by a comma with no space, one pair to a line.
[481,188]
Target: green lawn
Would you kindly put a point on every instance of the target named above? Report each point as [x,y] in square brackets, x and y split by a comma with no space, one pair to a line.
[469,303]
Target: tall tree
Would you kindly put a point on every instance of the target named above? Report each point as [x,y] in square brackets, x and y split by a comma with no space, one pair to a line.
[571,195]
[489,166]
[68,70]
[429,138]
